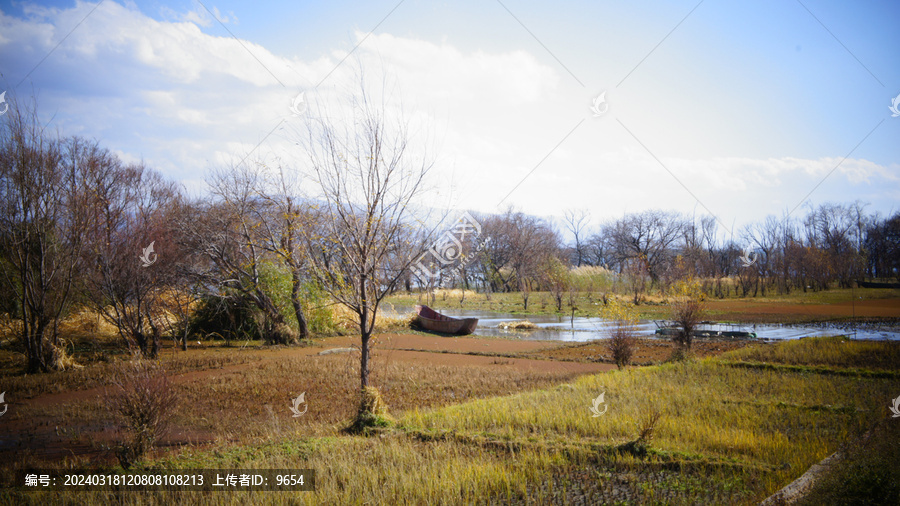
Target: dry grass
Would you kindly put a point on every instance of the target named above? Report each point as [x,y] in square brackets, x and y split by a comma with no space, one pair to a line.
[99,374]
[647,351]
[248,404]
[518,325]
[348,323]
[466,434]
[762,419]
[825,351]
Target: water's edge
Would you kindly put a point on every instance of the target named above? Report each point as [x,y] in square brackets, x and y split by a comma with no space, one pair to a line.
[581,329]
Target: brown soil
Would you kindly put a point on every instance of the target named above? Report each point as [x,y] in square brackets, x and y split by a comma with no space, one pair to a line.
[782,312]
[52,438]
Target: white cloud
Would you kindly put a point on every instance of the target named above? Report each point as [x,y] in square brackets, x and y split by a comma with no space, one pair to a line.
[181,99]
[442,72]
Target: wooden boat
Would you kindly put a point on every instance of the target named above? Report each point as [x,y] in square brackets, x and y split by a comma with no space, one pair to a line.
[431,320]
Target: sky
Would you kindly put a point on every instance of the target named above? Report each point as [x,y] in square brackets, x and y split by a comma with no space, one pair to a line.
[738,110]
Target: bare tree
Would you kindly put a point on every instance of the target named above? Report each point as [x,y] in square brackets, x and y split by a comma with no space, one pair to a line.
[883,245]
[576,222]
[637,272]
[130,246]
[495,258]
[179,303]
[369,176]
[836,231]
[41,230]
[596,250]
[557,279]
[650,235]
[518,251]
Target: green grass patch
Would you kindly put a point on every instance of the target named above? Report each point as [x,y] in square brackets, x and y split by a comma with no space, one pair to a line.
[703,413]
[833,352]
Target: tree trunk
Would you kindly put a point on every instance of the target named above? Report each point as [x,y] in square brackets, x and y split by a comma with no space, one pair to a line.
[38,348]
[302,327]
[35,351]
[273,319]
[155,335]
[364,362]
[364,334]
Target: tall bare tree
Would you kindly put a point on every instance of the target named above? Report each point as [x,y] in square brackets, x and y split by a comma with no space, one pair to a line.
[368,176]
[130,248]
[41,229]
[576,222]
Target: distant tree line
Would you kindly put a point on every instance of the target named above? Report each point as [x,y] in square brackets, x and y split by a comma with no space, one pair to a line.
[832,245]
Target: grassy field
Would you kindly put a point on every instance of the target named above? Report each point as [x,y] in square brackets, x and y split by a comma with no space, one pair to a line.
[728,432]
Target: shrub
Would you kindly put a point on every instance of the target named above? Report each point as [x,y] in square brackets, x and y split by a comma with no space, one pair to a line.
[621,342]
[232,318]
[372,412]
[687,310]
[680,354]
[276,281]
[143,402]
[646,427]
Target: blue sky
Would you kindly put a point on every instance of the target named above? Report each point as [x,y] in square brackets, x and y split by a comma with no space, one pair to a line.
[740,109]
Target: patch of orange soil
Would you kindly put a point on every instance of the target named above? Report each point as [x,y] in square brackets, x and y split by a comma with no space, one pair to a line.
[783,312]
[448,344]
[525,364]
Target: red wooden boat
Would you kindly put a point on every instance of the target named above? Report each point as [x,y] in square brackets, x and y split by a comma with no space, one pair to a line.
[429,319]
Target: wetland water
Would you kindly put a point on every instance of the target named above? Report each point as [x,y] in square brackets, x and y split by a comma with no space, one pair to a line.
[563,328]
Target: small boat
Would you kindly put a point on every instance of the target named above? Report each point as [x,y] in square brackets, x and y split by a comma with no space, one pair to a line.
[730,334]
[429,319]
